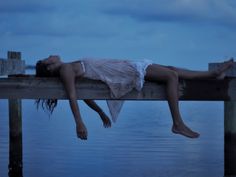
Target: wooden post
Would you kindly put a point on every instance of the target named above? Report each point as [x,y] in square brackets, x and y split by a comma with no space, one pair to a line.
[230,138]
[15,131]
[229,126]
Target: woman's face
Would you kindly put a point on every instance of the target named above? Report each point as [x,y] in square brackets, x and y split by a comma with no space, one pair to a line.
[46,70]
[48,67]
[53,63]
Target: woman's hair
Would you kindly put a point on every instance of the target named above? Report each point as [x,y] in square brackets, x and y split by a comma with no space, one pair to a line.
[42,71]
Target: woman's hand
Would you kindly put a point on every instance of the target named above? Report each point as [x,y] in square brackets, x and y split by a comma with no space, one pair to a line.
[81,131]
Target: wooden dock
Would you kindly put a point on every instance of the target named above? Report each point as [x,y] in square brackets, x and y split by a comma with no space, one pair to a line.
[16,87]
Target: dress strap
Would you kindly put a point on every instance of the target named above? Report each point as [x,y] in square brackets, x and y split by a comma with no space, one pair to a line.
[83,67]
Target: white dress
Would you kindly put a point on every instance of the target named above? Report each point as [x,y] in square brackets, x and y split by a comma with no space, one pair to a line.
[121,76]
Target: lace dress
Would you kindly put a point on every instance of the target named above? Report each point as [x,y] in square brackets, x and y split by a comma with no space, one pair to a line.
[121,76]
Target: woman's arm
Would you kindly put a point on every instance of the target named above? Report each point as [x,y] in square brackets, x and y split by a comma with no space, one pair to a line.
[105,119]
[67,77]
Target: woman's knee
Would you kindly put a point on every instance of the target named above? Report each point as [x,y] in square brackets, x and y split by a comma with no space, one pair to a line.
[160,73]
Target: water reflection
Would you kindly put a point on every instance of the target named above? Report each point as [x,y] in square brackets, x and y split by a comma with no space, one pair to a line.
[139,145]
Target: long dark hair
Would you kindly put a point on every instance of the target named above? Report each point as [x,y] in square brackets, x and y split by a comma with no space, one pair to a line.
[42,71]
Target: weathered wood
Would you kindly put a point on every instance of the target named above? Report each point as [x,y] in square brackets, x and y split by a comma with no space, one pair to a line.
[12,66]
[33,88]
[15,143]
[230,137]
[229,125]
[15,130]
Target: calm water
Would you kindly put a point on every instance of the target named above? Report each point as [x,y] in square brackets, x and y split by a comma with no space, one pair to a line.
[140,144]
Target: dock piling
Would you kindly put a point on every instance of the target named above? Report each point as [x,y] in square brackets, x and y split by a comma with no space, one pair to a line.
[15,131]
[230,137]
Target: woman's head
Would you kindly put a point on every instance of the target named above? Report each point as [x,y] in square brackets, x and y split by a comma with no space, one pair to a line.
[43,70]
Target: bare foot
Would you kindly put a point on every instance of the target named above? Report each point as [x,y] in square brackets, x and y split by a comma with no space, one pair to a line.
[220,72]
[105,119]
[81,131]
[185,131]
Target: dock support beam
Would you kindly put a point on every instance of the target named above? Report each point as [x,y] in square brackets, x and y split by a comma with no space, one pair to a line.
[230,138]
[39,88]
[15,131]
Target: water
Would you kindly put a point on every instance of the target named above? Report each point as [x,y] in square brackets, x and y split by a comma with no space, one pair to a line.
[140,144]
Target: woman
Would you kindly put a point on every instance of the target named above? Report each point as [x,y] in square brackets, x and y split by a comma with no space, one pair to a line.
[122,76]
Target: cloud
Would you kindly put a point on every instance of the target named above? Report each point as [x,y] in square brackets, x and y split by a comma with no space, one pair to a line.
[183,11]
[105,18]
[118,29]
[53,18]
[24,6]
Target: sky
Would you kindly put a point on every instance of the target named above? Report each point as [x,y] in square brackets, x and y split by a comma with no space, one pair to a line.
[183,33]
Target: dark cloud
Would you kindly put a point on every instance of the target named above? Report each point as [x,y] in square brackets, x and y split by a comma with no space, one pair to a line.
[182,11]
[25,6]
[101,18]
[52,18]
[149,16]
[117,28]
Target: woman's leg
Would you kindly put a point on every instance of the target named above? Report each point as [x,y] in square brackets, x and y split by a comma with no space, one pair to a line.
[105,119]
[189,74]
[170,77]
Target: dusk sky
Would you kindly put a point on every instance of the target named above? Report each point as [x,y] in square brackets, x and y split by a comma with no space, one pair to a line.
[186,33]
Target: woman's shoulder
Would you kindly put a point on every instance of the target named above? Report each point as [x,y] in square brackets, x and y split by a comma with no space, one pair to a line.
[66,67]
[74,68]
